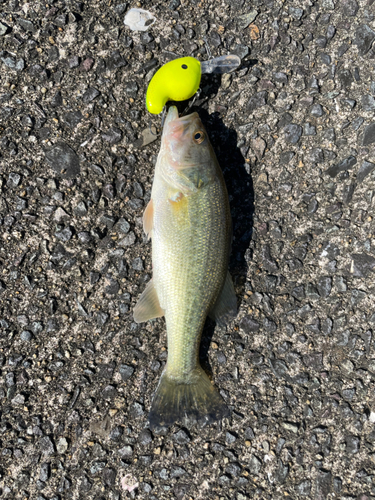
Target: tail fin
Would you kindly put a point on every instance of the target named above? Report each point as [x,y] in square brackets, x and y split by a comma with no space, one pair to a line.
[193,401]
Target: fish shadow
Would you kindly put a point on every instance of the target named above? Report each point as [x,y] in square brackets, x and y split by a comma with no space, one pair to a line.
[241,198]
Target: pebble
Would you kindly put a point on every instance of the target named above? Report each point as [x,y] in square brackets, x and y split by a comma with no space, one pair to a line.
[139,19]
[126,371]
[309,129]
[346,164]
[137,264]
[73,118]
[368,102]
[113,135]
[349,7]
[369,135]
[62,445]
[90,94]
[116,60]
[64,160]
[3,29]
[246,19]
[257,101]
[292,133]
[316,110]
[366,168]
[26,336]
[361,265]
[27,25]
[249,325]
[364,36]
[255,465]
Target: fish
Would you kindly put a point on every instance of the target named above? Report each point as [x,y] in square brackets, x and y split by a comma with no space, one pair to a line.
[188,220]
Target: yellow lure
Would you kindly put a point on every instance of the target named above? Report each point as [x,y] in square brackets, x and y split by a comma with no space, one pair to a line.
[177,80]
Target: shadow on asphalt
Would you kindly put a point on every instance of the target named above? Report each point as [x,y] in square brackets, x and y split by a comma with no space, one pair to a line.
[241,194]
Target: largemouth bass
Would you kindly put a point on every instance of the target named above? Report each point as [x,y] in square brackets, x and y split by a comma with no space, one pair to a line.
[188,219]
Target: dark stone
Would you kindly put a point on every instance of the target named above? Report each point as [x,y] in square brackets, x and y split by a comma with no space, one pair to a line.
[113,135]
[316,155]
[116,60]
[131,89]
[286,157]
[255,465]
[120,8]
[136,410]
[126,371]
[323,484]
[314,360]
[174,4]
[27,25]
[109,392]
[268,262]
[64,160]
[281,472]
[181,490]
[368,102]
[316,110]
[348,192]
[46,446]
[109,477]
[145,437]
[73,118]
[122,226]
[146,38]
[364,36]
[13,180]
[137,264]
[90,94]
[102,318]
[345,77]
[324,286]
[257,101]
[304,488]
[342,166]
[352,444]
[362,264]
[369,135]
[3,29]
[285,119]
[249,325]
[73,62]
[309,129]
[292,133]
[366,168]
[97,169]
[349,7]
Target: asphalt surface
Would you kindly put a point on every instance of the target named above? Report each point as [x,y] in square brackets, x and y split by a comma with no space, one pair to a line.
[294,132]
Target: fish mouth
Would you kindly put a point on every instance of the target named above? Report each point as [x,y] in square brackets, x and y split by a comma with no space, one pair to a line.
[176,127]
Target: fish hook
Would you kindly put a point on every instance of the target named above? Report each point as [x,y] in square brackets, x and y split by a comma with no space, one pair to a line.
[189,106]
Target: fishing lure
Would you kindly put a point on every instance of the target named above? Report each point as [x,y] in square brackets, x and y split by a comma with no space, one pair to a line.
[179,80]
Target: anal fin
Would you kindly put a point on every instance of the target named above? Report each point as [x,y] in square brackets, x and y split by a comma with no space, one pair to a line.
[148,306]
[225,307]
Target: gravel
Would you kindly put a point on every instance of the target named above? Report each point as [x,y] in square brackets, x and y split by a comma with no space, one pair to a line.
[294,132]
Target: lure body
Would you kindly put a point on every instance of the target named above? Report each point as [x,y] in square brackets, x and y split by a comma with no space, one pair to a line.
[177,80]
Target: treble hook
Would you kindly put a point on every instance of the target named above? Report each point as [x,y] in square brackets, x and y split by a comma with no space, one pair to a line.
[189,106]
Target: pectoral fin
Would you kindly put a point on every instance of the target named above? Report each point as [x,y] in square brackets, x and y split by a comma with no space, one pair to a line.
[148,219]
[225,307]
[148,306]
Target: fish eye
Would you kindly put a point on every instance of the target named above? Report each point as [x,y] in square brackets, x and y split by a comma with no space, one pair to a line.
[199,137]
[184,66]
